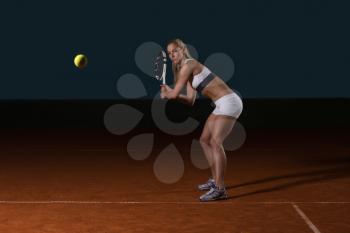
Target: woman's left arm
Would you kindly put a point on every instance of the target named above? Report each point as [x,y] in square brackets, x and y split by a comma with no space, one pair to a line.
[182,79]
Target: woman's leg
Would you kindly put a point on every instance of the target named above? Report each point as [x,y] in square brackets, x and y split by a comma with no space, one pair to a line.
[205,142]
[221,128]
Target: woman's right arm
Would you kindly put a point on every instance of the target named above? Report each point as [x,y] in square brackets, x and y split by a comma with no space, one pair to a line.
[190,96]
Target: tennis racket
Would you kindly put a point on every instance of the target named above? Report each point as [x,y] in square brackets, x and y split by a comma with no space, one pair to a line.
[160,66]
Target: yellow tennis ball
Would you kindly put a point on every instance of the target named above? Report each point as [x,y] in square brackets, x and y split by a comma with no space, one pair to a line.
[80,61]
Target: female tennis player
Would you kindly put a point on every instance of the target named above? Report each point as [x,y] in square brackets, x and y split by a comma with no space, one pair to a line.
[193,75]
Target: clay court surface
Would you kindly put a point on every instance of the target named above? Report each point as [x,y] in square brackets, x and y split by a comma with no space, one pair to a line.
[84,181]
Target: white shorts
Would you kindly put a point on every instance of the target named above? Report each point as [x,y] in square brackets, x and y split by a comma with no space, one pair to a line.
[228,105]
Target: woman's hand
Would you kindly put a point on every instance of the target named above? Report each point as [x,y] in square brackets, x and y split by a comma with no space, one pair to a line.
[164,91]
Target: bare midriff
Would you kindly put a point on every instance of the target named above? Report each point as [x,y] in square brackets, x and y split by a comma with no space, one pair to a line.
[216,89]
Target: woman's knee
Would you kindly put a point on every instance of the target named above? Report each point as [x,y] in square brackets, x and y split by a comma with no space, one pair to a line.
[204,140]
[215,144]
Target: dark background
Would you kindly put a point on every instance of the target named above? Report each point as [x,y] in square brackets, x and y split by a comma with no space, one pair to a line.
[281,49]
[291,58]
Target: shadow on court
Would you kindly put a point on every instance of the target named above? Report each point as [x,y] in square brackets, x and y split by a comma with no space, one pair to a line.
[342,170]
[326,175]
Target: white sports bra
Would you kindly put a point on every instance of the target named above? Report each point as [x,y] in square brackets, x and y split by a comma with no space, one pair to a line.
[198,78]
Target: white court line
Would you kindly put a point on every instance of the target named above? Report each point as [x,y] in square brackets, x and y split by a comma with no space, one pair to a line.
[162,202]
[306,219]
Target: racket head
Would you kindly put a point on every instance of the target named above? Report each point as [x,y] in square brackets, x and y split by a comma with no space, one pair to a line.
[160,66]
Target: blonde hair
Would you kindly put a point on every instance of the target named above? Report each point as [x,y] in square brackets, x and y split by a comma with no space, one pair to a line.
[183,46]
